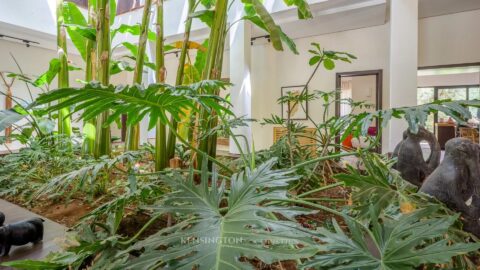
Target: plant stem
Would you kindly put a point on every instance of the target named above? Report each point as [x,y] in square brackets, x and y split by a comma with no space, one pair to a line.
[89,127]
[315,160]
[103,136]
[64,122]
[213,70]
[132,141]
[150,222]
[320,189]
[161,134]
[193,148]
[180,74]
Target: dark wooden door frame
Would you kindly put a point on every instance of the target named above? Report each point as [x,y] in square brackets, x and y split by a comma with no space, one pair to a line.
[378,93]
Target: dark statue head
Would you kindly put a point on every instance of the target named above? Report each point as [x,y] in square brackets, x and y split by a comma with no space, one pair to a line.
[461,148]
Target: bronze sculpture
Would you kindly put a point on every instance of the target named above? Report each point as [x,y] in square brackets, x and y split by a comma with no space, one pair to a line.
[410,161]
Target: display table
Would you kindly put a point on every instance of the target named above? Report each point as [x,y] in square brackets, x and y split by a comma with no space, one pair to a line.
[53,232]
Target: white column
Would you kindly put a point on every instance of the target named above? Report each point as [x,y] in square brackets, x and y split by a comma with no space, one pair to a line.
[240,67]
[403,62]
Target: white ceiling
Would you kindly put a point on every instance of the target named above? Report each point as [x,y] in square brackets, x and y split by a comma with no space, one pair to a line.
[333,16]
[340,15]
[330,16]
[431,8]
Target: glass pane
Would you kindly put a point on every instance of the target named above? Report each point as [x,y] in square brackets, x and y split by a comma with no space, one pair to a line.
[474,93]
[426,95]
[453,94]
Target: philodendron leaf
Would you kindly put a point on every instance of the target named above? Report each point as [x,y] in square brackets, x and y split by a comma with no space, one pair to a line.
[413,240]
[214,236]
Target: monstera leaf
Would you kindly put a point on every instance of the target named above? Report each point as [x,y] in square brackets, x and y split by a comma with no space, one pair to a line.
[402,244]
[219,227]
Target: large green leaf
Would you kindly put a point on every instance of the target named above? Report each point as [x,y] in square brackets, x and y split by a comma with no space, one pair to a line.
[206,16]
[113,11]
[74,17]
[411,241]
[47,77]
[213,236]
[255,19]
[132,30]
[258,14]
[9,117]
[302,7]
[134,51]
[34,265]
[136,101]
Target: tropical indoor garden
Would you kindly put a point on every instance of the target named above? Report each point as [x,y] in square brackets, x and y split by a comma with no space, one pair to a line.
[176,203]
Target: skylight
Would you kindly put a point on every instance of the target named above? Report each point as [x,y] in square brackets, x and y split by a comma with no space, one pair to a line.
[449,71]
[123,6]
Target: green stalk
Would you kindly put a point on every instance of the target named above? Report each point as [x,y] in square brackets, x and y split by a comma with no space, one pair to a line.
[213,69]
[132,141]
[161,134]
[89,127]
[180,72]
[212,141]
[103,136]
[64,122]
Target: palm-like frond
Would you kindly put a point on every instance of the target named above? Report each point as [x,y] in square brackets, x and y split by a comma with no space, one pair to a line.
[406,243]
[216,237]
[157,100]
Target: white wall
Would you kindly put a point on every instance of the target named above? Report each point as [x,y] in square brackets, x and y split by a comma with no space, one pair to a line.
[449,80]
[34,61]
[449,39]
[271,70]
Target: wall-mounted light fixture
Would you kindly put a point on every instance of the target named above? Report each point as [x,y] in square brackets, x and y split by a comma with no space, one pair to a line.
[25,41]
[174,52]
[267,37]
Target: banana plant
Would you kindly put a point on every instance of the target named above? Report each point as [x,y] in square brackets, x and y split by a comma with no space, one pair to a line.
[132,140]
[64,121]
[180,74]
[160,76]
[103,135]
